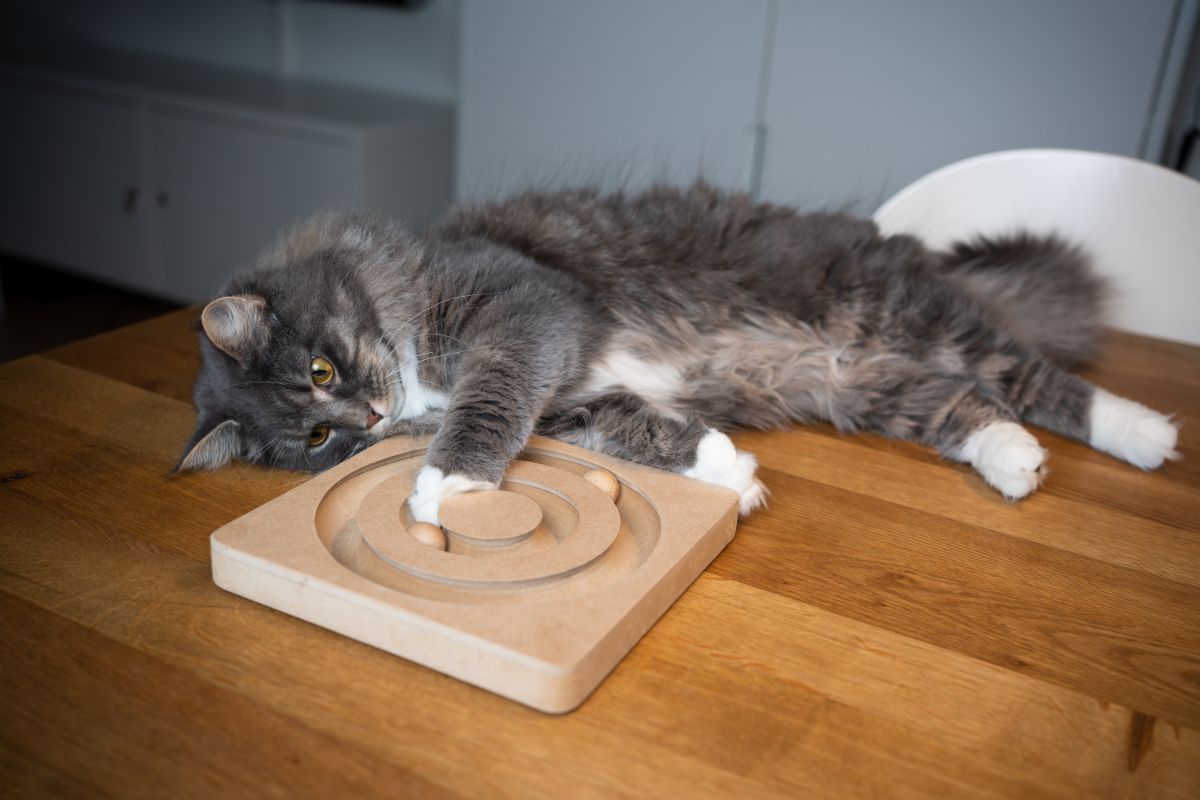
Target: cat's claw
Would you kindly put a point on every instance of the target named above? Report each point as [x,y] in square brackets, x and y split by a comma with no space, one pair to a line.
[433,486]
[719,462]
[1008,458]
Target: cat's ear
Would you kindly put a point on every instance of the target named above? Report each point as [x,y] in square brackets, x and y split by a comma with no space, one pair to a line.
[211,446]
[236,324]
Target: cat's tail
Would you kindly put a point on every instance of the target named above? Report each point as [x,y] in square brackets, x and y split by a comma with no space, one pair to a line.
[1041,290]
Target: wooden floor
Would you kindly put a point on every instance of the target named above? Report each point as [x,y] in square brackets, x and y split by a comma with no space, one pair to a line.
[889,627]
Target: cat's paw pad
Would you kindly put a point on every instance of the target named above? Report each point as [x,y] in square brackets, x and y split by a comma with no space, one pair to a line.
[433,486]
[1008,458]
[1131,431]
[719,462]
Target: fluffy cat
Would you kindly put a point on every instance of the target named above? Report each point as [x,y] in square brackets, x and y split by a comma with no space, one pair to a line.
[641,326]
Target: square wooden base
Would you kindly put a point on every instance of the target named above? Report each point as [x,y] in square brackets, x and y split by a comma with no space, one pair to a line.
[543,587]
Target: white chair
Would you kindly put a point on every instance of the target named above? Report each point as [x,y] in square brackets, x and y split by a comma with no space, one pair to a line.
[1140,222]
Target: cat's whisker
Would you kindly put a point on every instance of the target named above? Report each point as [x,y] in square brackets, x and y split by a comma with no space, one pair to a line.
[284,384]
[446,336]
[388,339]
[452,353]
[434,351]
[255,454]
[432,306]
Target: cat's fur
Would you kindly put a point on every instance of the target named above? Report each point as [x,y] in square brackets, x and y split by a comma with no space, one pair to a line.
[640,325]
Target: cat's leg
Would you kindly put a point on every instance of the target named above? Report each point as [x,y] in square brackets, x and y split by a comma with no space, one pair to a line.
[1049,397]
[950,412]
[624,425]
[983,433]
[489,419]
[718,461]
[979,424]
[519,348]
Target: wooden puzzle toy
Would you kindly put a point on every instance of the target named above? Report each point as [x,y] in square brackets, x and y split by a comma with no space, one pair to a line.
[534,591]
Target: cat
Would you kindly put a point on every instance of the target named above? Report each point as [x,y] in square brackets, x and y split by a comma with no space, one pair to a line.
[644,325]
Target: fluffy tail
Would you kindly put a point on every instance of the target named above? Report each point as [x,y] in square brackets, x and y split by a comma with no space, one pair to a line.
[1040,289]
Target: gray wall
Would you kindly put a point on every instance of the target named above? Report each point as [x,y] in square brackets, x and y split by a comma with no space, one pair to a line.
[1184,121]
[866,96]
[816,102]
[613,92]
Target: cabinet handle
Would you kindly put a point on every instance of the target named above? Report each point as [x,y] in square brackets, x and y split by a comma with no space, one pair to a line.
[163,199]
[129,200]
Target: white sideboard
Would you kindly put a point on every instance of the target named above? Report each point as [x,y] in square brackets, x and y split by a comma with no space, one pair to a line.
[165,177]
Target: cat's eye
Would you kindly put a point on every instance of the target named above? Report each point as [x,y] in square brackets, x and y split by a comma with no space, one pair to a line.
[318,435]
[320,370]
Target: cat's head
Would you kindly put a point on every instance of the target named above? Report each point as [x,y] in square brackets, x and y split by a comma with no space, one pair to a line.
[296,370]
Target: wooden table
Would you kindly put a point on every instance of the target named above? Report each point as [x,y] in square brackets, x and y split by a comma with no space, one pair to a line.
[887,628]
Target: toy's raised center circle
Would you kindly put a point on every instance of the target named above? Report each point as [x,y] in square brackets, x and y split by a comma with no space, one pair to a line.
[494,516]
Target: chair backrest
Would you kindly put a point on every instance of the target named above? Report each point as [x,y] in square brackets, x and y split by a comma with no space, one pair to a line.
[1140,222]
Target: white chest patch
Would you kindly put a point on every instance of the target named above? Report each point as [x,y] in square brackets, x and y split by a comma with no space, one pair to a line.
[618,368]
[419,398]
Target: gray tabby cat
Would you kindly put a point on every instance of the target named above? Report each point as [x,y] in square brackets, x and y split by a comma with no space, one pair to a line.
[642,325]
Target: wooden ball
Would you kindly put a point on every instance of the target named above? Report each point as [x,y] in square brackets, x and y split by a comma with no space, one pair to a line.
[428,534]
[605,481]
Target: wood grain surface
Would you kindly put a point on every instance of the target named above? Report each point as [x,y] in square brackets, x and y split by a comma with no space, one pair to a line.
[888,627]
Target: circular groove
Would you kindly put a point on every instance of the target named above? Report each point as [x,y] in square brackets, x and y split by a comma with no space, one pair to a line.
[584,534]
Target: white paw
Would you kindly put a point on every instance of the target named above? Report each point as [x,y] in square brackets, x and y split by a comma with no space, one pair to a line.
[1007,456]
[1130,431]
[719,462]
[433,486]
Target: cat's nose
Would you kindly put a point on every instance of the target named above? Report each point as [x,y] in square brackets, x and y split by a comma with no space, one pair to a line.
[372,417]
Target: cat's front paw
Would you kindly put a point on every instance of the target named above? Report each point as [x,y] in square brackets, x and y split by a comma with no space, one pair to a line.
[719,462]
[433,486]
[1008,458]
[1130,431]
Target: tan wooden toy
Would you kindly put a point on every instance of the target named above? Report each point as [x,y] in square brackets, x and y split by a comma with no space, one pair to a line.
[534,591]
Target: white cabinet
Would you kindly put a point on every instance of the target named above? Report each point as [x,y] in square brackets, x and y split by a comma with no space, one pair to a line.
[166,178]
[202,201]
[73,181]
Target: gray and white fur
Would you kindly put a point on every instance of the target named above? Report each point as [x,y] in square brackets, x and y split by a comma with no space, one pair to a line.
[642,325]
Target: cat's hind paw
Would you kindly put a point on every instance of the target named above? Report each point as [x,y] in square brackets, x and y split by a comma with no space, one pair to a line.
[1131,431]
[720,463]
[433,486]
[1008,458]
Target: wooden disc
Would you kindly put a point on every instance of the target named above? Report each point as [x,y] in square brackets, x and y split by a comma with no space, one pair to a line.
[495,515]
[605,481]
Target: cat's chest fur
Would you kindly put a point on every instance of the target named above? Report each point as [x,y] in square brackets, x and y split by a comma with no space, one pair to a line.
[419,398]
[621,369]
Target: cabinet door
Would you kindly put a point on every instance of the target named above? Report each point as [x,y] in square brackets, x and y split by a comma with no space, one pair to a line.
[71,191]
[228,186]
